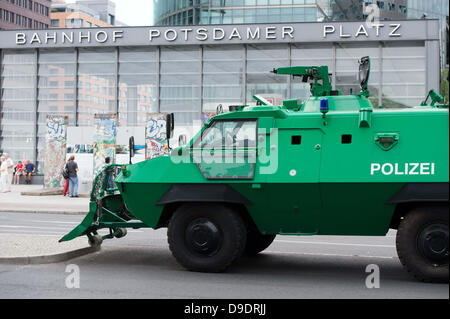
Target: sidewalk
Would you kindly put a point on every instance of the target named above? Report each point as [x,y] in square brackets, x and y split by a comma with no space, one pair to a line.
[15,202]
[38,249]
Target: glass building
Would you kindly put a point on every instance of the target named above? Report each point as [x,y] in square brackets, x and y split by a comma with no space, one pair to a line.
[191,12]
[133,71]
[197,12]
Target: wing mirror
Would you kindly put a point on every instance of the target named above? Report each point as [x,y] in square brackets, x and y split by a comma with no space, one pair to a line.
[169,125]
[363,75]
[182,140]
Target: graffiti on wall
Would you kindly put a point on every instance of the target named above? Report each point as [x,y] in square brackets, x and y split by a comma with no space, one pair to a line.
[55,154]
[104,139]
[156,143]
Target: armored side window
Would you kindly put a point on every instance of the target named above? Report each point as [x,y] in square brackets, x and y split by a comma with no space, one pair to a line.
[296,140]
[346,139]
[228,134]
[227,149]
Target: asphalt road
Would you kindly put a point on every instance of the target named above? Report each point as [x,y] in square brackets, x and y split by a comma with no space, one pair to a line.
[141,266]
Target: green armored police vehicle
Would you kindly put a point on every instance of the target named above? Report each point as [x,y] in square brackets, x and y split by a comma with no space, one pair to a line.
[329,165]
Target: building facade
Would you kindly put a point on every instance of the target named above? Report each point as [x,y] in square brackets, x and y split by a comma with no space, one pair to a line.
[133,71]
[192,12]
[24,14]
[197,12]
[77,15]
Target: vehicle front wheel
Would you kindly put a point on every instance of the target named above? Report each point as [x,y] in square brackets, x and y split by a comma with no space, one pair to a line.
[206,238]
[422,243]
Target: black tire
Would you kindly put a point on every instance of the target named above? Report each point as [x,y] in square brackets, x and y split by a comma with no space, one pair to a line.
[257,242]
[206,238]
[95,241]
[120,232]
[422,243]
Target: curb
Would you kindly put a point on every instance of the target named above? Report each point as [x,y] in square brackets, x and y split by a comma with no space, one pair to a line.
[32,211]
[47,259]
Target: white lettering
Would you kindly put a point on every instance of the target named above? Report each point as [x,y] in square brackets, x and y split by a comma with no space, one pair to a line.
[35,38]
[286,32]
[50,37]
[328,29]
[202,34]
[186,31]
[66,37]
[412,171]
[395,27]
[215,37]
[98,39]
[154,34]
[409,168]
[251,35]
[21,38]
[341,32]
[235,34]
[361,30]
[85,36]
[374,167]
[117,34]
[424,168]
[166,35]
[377,27]
[396,170]
[270,33]
[383,169]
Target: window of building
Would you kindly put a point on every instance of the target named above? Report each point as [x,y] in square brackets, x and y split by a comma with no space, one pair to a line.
[97,67]
[54,22]
[223,68]
[180,82]
[74,23]
[260,60]
[138,77]
[18,73]
[56,89]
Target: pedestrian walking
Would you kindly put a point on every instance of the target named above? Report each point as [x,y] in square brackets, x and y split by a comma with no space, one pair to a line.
[72,167]
[9,171]
[3,174]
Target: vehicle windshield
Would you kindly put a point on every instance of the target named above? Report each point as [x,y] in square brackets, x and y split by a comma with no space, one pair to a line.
[225,134]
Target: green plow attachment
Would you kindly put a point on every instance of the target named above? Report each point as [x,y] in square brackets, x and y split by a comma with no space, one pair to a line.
[106,211]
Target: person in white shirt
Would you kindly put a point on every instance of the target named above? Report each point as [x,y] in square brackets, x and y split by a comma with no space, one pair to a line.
[10,172]
[3,174]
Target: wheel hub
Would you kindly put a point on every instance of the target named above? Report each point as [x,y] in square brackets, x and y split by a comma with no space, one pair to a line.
[433,243]
[202,236]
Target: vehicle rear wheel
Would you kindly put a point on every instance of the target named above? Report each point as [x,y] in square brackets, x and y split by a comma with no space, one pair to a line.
[422,243]
[257,242]
[206,238]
